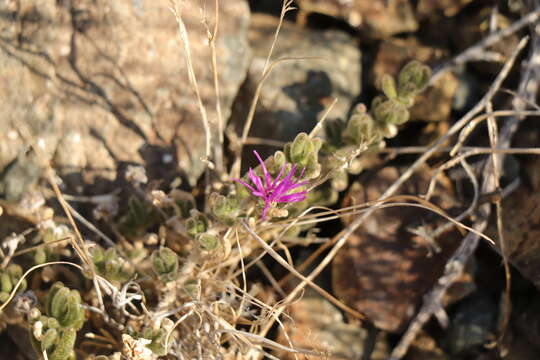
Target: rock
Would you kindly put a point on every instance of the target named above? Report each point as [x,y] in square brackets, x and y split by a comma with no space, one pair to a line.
[435,104]
[521,214]
[523,335]
[296,92]
[384,270]
[472,325]
[108,82]
[424,347]
[327,332]
[432,8]
[378,18]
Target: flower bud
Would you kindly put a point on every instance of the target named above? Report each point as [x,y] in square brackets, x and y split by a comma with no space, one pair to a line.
[301,148]
[40,256]
[5,282]
[279,160]
[340,180]
[4,296]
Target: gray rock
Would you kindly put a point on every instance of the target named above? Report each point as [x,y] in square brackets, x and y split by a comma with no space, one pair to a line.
[297,91]
[108,81]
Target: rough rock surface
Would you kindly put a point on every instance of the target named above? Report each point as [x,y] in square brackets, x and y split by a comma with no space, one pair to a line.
[328,332]
[298,91]
[385,268]
[521,217]
[102,83]
[378,18]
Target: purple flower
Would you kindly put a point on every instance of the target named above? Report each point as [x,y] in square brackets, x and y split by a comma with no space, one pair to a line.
[274,190]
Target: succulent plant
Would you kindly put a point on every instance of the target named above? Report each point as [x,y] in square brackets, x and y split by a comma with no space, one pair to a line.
[64,305]
[390,112]
[208,241]
[413,79]
[165,263]
[56,332]
[360,129]
[196,224]
[157,338]
[110,265]
[225,208]
[51,235]
[139,218]
[304,153]
[9,277]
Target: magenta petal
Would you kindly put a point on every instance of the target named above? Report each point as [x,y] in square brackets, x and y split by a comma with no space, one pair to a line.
[275,190]
[265,210]
[267,177]
[294,186]
[256,180]
[286,181]
[296,197]
[279,175]
[245,184]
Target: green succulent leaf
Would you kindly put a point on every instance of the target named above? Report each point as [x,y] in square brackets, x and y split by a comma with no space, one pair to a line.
[111,265]
[165,263]
[388,85]
[5,281]
[391,112]
[49,338]
[413,78]
[158,340]
[225,208]
[196,224]
[208,241]
[64,305]
[64,345]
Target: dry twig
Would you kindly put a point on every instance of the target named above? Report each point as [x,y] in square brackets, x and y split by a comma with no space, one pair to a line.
[454,267]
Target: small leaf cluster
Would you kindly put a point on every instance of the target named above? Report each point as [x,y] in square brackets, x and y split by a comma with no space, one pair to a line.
[110,265]
[225,208]
[196,224]
[165,264]
[198,228]
[51,235]
[139,218]
[365,130]
[303,152]
[391,109]
[369,128]
[158,337]
[56,332]
[9,277]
